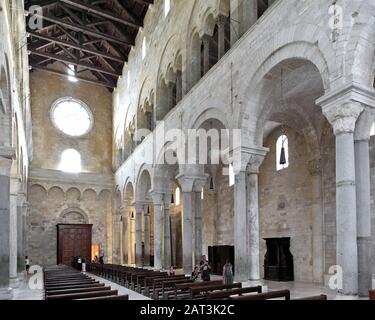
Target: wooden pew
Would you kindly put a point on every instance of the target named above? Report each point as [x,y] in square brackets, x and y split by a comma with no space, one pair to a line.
[167,288]
[226,294]
[320,297]
[76,290]
[83,295]
[151,283]
[264,296]
[111,298]
[184,288]
[201,291]
[95,285]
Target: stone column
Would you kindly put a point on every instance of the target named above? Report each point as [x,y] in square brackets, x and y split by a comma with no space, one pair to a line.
[363,193]
[171,96]
[147,235]
[222,21]
[14,189]
[20,232]
[186,184]
[343,118]
[157,199]
[5,165]
[240,228]
[206,53]
[179,86]
[132,239]
[125,234]
[167,262]
[198,186]
[250,14]
[253,215]
[317,220]
[138,235]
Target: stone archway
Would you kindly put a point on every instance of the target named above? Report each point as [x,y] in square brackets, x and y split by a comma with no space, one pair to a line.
[73,216]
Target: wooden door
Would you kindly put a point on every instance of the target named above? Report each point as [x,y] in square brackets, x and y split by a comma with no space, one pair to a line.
[73,241]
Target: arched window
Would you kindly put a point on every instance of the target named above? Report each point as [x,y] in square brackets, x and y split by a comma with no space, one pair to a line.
[282,142]
[372,133]
[231,175]
[70,161]
[167,7]
[144,48]
[178,196]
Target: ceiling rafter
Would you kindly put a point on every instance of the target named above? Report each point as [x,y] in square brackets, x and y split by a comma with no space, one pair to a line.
[92,35]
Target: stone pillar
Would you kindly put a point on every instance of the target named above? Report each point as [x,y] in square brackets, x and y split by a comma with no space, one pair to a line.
[167,262]
[5,165]
[250,14]
[147,235]
[138,235]
[222,21]
[186,184]
[20,232]
[125,234]
[132,238]
[178,86]
[206,53]
[171,96]
[14,189]
[343,117]
[157,199]
[363,193]
[240,228]
[317,220]
[253,215]
[198,186]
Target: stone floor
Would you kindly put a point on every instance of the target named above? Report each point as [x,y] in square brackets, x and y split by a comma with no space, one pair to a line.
[297,289]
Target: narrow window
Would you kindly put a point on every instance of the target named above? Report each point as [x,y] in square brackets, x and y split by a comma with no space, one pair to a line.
[372,133]
[282,153]
[231,175]
[72,73]
[202,194]
[167,7]
[70,161]
[178,196]
[144,48]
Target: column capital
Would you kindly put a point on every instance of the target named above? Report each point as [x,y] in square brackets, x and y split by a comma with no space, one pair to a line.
[199,183]
[254,164]
[7,155]
[315,167]
[157,197]
[343,117]
[206,38]
[222,20]
[248,158]
[186,182]
[138,206]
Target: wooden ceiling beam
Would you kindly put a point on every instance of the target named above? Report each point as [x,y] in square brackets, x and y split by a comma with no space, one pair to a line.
[101,12]
[85,30]
[77,47]
[74,62]
[63,74]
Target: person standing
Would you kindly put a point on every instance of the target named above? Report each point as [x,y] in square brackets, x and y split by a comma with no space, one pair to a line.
[228,273]
[27,264]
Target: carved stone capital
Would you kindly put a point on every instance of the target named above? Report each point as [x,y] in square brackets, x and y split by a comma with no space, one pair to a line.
[254,164]
[343,117]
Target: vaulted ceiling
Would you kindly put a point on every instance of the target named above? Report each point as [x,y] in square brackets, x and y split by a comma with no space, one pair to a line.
[94,36]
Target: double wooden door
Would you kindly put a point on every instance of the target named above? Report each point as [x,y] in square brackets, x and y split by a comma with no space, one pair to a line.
[73,240]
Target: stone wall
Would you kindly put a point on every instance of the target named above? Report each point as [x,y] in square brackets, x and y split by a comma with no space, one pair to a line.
[54,206]
[49,143]
[285,203]
[54,193]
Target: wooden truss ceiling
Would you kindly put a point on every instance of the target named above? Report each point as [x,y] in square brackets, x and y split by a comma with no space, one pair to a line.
[91,35]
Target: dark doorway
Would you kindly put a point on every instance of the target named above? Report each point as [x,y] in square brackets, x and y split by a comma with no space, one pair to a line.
[73,240]
[278,261]
[218,256]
